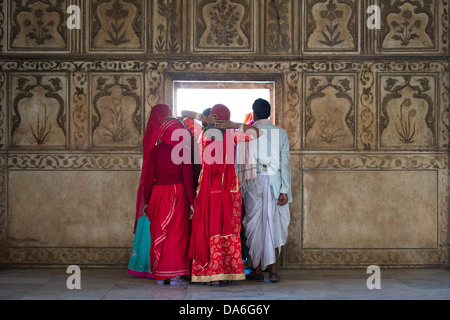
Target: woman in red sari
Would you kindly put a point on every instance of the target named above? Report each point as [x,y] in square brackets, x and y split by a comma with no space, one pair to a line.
[169,195]
[139,264]
[216,225]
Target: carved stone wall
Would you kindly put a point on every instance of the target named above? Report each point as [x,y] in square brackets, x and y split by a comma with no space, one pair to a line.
[366,110]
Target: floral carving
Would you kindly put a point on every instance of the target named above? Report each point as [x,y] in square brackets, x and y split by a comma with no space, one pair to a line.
[407,128]
[31,104]
[327,123]
[406,28]
[38,24]
[225,18]
[40,31]
[330,129]
[117,24]
[223,24]
[278,26]
[408,24]
[167,40]
[43,128]
[118,35]
[114,120]
[333,36]
[407,112]
[331,25]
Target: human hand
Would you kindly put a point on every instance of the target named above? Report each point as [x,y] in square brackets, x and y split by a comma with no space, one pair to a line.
[225,124]
[191,212]
[212,119]
[145,209]
[282,200]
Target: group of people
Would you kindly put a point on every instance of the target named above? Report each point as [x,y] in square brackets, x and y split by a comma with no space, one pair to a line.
[233,177]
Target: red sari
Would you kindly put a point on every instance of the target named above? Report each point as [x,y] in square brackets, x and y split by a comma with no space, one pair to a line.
[158,115]
[168,197]
[216,225]
[139,264]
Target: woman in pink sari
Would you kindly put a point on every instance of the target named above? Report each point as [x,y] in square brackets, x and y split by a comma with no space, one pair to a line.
[139,264]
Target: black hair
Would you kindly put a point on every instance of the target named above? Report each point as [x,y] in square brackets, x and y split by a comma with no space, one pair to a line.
[262,108]
[206,113]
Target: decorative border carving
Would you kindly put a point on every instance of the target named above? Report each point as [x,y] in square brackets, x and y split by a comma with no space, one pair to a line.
[44,257]
[3,200]
[372,161]
[2,25]
[107,162]
[3,111]
[79,111]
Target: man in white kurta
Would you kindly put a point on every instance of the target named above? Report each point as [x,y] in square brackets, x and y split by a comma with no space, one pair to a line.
[267,198]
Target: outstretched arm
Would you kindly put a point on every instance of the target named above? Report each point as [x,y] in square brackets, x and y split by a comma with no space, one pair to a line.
[194,115]
[227,124]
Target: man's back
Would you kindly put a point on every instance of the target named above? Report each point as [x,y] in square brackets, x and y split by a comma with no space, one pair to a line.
[273,155]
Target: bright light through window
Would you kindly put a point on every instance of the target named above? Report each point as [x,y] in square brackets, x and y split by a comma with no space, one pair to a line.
[239,101]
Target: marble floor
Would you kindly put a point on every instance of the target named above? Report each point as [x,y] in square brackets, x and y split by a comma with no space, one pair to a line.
[116,284]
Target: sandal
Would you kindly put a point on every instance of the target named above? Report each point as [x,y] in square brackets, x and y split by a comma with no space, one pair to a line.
[255,276]
[273,277]
[213,284]
[178,281]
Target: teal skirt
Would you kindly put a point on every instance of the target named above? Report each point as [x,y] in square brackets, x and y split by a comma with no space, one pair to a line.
[139,264]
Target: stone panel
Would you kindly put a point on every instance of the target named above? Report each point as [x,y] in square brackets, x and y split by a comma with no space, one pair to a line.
[408,116]
[117,25]
[360,210]
[116,115]
[167,26]
[38,25]
[38,113]
[78,209]
[330,111]
[409,26]
[281,26]
[223,26]
[331,26]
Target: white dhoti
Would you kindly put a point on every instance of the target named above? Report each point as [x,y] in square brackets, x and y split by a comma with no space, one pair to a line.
[265,223]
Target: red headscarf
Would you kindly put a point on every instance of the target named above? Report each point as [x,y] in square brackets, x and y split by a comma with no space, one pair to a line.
[200,236]
[168,134]
[221,111]
[158,115]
